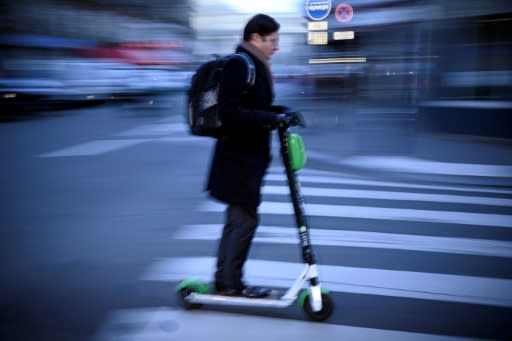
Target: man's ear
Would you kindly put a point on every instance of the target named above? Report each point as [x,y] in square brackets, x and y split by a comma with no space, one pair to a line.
[255,37]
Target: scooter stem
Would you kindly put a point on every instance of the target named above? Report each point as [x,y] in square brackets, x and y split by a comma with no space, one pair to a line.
[297,200]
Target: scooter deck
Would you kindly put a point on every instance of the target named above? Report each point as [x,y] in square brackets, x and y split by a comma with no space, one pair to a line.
[273,300]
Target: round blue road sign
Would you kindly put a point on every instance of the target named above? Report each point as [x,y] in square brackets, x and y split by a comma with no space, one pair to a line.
[318,9]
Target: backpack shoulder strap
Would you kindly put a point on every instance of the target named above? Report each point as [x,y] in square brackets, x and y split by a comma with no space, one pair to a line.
[251,69]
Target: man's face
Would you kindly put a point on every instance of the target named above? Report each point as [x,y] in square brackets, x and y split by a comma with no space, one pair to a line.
[268,44]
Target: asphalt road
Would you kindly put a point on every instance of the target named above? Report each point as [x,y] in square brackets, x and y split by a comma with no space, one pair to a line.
[102,211]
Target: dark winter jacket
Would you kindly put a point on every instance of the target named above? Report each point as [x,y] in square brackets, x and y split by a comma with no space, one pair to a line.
[242,153]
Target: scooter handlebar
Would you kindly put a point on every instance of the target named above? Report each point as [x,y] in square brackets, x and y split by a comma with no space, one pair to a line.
[290,118]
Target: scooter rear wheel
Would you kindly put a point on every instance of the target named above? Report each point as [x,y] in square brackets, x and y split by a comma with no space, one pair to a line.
[182,294]
[324,313]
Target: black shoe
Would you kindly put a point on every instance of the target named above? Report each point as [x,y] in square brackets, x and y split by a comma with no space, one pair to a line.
[255,292]
[231,292]
[218,288]
[248,292]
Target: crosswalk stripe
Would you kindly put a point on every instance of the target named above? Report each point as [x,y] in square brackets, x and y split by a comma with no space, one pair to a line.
[97,147]
[164,323]
[430,286]
[196,139]
[327,237]
[158,132]
[158,129]
[385,195]
[385,213]
[415,165]
[334,180]
[165,132]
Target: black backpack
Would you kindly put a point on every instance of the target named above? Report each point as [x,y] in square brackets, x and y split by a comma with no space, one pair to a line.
[203,118]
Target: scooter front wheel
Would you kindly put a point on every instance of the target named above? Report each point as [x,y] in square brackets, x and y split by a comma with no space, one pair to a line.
[324,313]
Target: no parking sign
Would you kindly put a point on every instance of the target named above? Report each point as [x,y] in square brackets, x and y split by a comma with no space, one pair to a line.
[318,9]
[344,13]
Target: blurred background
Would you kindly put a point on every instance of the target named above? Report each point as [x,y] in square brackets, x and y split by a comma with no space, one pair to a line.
[408,184]
[427,61]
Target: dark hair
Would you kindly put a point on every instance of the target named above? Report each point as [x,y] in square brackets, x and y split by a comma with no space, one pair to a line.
[261,24]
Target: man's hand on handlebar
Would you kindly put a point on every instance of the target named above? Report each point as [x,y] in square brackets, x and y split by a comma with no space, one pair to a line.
[287,117]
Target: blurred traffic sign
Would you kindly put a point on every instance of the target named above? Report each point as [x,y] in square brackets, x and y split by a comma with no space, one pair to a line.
[317,25]
[344,13]
[345,35]
[318,38]
[318,9]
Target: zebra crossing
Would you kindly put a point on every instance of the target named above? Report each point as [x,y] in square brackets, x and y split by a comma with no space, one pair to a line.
[471,219]
[168,130]
[497,291]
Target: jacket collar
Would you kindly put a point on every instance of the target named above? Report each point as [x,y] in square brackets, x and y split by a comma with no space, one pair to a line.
[256,52]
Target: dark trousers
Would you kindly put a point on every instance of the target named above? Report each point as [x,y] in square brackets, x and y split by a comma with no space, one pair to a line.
[241,223]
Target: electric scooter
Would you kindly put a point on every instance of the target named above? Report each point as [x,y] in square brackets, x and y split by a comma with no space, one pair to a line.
[314,300]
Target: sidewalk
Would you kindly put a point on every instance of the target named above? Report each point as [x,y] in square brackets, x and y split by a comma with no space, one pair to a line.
[426,157]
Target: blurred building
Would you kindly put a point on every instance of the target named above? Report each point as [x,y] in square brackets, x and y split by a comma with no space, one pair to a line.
[450,60]
[470,86]
[62,51]
[218,28]
[99,20]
